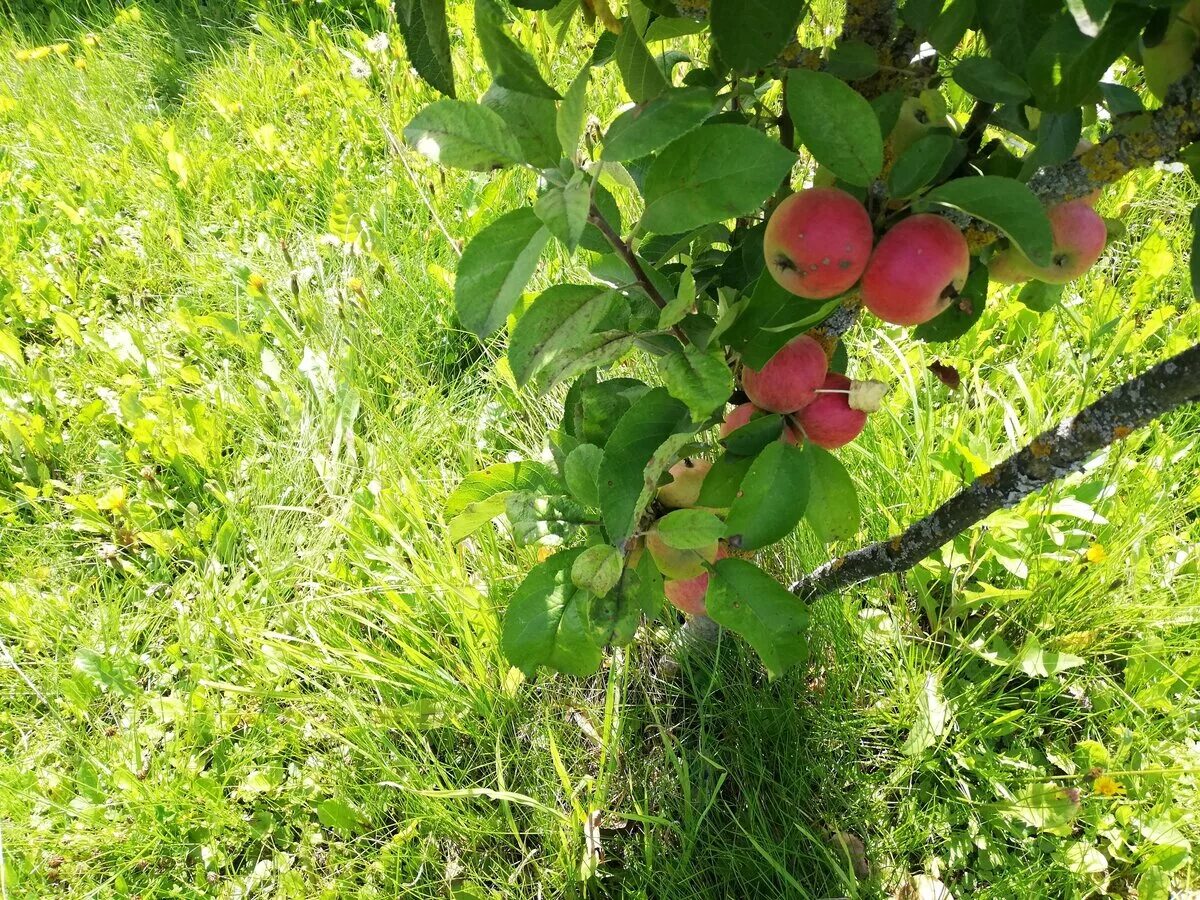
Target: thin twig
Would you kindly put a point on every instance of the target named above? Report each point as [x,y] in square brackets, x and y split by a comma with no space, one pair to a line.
[635,265]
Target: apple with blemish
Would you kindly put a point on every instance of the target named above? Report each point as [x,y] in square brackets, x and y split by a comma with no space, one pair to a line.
[829,421]
[916,271]
[1078,235]
[789,379]
[817,242]
[674,563]
[683,490]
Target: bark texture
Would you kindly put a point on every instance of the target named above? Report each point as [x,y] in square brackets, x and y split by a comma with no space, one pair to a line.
[1052,455]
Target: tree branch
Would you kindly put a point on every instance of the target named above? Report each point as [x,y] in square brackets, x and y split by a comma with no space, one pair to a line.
[1151,137]
[1052,455]
[869,21]
[635,265]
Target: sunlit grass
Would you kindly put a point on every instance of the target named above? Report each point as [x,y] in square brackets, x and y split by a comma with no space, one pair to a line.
[241,654]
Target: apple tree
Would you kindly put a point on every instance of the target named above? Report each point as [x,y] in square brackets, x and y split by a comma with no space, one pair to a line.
[778,191]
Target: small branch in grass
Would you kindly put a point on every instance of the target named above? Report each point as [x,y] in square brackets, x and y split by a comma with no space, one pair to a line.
[1052,455]
[635,265]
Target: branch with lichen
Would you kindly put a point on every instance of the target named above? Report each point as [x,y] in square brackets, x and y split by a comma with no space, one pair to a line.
[1141,140]
[1052,455]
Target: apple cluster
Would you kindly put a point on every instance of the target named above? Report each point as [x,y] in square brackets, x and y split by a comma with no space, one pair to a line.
[821,407]
[820,243]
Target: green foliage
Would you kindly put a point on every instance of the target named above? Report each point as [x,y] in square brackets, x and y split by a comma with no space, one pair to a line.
[242,656]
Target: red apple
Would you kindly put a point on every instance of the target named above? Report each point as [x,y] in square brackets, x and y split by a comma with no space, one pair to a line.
[916,271]
[1079,237]
[817,242]
[688,593]
[678,564]
[829,421]
[789,379]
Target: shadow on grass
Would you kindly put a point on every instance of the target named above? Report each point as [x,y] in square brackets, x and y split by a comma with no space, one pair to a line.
[195,31]
[769,783]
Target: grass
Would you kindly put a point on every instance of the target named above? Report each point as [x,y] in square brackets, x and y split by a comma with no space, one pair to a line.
[242,659]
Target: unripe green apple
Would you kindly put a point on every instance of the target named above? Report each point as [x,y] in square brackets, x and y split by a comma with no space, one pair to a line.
[678,564]
[687,477]
[1009,266]
[916,271]
[817,242]
[1174,56]
[789,379]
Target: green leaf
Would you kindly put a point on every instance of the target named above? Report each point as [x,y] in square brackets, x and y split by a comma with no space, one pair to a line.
[919,164]
[509,476]
[543,519]
[699,378]
[750,34]
[852,61]
[753,437]
[649,423]
[495,268]
[598,569]
[463,135]
[476,515]
[771,317]
[749,602]
[919,14]
[564,209]
[1047,807]
[572,113]
[593,239]
[990,80]
[690,529]
[1120,100]
[427,39]
[510,65]
[581,472]
[1037,662]
[600,348]
[546,623]
[715,172]
[1090,15]
[1005,203]
[681,304]
[558,320]
[339,815]
[836,124]
[666,29]
[1039,296]
[642,77]
[1013,28]
[721,484]
[1057,137]
[645,129]
[615,616]
[933,718]
[772,498]
[961,315]
[531,119]
[950,26]
[1154,884]
[602,404]
[1194,260]
[1066,65]
[832,509]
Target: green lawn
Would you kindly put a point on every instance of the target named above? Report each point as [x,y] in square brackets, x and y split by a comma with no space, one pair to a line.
[241,657]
